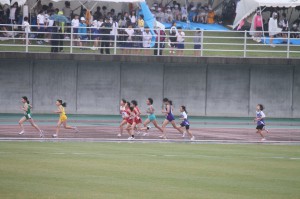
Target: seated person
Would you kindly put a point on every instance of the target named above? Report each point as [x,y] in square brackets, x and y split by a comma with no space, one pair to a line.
[168,16]
[210,16]
[294,31]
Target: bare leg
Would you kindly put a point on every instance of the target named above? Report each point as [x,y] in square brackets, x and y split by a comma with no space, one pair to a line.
[57,128]
[121,127]
[156,125]
[22,120]
[68,127]
[261,134]
[175,127]
[165,123]
[34,125]
[128,128]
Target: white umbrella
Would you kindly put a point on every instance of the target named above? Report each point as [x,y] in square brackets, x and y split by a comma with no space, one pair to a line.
[3,2]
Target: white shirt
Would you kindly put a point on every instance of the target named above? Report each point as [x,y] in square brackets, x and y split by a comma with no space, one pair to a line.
[273,28]
[26,26]
[12,13]
[50,22]
[40,19]
[147,39]
[75,23]
[180,36]
[184,115]
[99,24]
[129,31]
[133,19]
[115,27]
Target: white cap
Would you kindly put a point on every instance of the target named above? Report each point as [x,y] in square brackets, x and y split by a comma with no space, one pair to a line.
[159,9]
[82,18]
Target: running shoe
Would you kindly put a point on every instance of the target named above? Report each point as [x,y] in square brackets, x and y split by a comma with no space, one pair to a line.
[193,138]
[148,127]
[263,139]
[130,138]
[183,135]
[54,135]
[22,132]
[145,134]
[42,134]
[119,135]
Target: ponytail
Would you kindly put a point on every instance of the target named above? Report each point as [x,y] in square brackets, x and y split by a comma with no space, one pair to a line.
[184,109]
[61,103]
[26,99]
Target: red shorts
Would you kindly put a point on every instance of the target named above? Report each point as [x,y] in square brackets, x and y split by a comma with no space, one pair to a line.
[129,121]
[137,120]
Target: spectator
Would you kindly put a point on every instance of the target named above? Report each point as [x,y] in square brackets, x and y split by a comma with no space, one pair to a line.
[197,42]
[40,26]
[210,16]
[258,24]
[104,11]
[176,12]
[26,27]
[95,34]
[137,41]
[180,41]
[67,10]
[147,36]
[130,32]
[273,28]
[50,8]
[49,27]
[75,25]
[161,37]
[284,24]
[141,22]
[160,16]
[82,33]
[106,28]
[133,19]
[193,14]
[173,38]
[97,15]
[295,31]
[56,38]
[202,15]
[184,14]
[114,30]
[13,13]
[168,16]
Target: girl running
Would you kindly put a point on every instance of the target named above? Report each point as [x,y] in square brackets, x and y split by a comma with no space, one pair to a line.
[123,108]
[185,123]
[26,108]
[169,118]
[151,117]
[62,117]
[130,119]
[137,119]
[260,116]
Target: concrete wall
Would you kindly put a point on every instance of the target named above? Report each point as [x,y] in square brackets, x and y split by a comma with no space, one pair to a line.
[223,87]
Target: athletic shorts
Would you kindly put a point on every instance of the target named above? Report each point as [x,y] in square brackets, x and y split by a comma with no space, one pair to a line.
[27,116]
[129,121]
[170,117]
[151,117]
[138,121]
[180,46]
[186,124]
[197,46]
[260,127]
[63,118]
[187,127]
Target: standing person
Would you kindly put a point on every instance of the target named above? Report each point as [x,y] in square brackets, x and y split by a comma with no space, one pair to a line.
[180,41]
[75,24]
[147,36]
[40,26]
[26,108]
[129,33]
[260,121]
[161,37]
[62,117]
[273,28]
[258,23]
[123,111]
[26,27]
[82,32]
[197,42]
[185,123]
[151,117]
[95,34]
[105,31]
[169,118]
[173,38]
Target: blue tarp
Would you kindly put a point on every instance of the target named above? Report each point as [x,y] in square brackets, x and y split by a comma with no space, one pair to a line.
[193,26]
[280,41]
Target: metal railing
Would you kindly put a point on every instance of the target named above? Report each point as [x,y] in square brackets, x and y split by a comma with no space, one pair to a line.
[212,43]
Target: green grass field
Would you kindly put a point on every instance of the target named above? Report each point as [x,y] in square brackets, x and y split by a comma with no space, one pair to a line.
[148,170]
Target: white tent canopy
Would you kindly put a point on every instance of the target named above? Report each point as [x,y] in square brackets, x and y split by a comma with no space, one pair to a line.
[115,1]
[247,7]
[3,2]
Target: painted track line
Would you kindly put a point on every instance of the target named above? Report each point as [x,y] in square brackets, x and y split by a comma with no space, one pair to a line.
[147,141]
